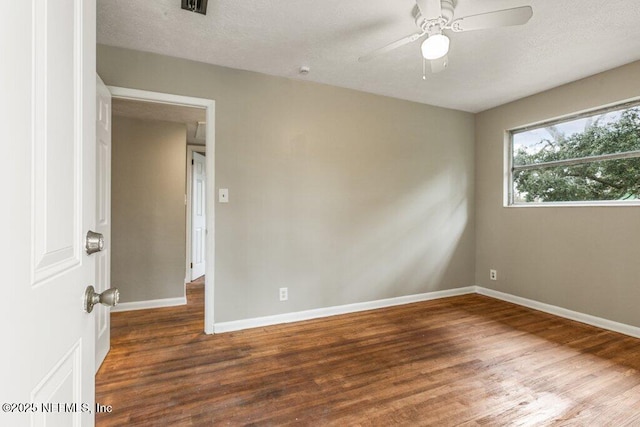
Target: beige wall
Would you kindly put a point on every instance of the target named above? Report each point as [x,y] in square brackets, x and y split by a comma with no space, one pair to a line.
[148,211]
[581,258]
[339,195]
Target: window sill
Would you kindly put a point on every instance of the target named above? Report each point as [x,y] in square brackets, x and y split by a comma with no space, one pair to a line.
[612,203]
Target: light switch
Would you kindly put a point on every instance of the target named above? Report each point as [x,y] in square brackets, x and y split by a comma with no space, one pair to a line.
[223,195]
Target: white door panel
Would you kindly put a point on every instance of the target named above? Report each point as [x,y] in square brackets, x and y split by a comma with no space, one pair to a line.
[198,216]
[47,109]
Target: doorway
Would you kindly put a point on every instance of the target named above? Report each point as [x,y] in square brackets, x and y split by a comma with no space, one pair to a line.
[196,213]
[207,208]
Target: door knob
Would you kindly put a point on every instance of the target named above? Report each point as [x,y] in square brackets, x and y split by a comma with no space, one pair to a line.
[110,298]
[94,242]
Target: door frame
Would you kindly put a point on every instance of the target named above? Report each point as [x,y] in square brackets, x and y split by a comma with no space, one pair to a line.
[103,219]
[191,148]
[210,107]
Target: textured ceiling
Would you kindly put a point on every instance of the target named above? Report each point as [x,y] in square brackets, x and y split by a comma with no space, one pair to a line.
[564,41]
[159,111]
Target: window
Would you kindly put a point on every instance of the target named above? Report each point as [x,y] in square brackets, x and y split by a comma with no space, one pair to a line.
[588,158]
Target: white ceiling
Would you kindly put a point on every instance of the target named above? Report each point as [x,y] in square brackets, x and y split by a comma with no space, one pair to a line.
[144,110]
[564,41]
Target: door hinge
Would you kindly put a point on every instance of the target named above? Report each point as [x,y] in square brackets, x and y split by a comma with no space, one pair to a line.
[191,265]
[191,161]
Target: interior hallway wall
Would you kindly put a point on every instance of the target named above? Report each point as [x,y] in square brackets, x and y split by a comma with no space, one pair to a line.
[148,210]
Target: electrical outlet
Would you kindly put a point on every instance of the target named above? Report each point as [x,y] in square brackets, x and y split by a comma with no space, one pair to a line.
[493,275]
[284,294]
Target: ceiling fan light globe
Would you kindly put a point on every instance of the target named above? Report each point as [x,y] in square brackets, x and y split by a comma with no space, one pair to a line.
[435,46]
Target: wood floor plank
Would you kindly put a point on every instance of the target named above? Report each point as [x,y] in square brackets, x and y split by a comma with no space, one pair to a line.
[469,360]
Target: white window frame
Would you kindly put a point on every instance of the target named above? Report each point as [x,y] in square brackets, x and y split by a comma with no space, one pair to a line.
[510,168]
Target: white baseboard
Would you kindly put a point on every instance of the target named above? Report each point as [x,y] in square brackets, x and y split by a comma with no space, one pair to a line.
[256,322]
[154,303]
[562,312]
[276,319]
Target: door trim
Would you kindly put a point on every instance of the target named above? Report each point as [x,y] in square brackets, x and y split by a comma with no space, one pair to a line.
[190,150]
[210,107]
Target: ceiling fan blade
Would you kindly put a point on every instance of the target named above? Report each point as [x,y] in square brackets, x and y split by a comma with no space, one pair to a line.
[430,9]
[439,64]
[499,18]
[391,46]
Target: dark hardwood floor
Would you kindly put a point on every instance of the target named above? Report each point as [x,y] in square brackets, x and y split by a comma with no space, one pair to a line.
[469,360]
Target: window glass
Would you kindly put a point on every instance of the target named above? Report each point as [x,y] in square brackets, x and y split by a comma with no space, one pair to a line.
[592,157]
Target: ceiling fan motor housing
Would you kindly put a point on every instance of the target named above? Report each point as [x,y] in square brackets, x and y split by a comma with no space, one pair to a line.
[437,24]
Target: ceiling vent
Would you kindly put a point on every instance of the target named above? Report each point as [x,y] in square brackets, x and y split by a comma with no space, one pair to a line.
[199,6]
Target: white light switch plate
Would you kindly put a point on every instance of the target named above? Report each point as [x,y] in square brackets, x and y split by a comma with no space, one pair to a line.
[223,195]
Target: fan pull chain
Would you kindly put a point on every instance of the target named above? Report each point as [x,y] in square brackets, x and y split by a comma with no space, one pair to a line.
[424,69]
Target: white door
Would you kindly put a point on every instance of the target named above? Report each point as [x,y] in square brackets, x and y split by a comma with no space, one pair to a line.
[47,178]
[198,218]
[103,215]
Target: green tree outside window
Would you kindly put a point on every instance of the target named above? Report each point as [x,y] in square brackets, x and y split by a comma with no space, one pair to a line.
[594,179]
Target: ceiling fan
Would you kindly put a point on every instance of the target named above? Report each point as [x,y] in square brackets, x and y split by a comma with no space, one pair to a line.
[432,17]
